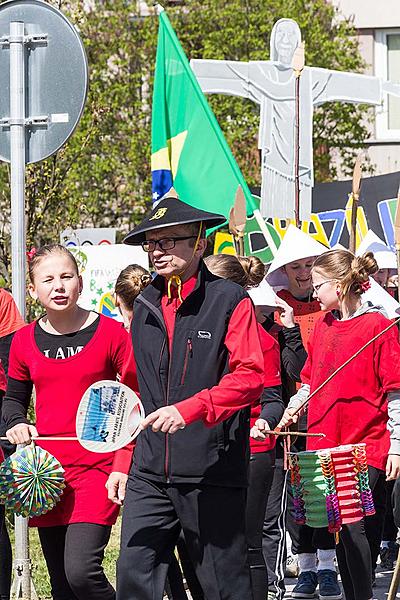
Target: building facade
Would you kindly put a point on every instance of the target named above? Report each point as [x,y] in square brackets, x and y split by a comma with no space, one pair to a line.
[378,29]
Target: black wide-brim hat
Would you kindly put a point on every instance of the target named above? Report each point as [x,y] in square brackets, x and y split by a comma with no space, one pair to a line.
[168,212]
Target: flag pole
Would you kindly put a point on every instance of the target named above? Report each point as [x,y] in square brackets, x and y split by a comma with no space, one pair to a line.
[355,194]
[298,66]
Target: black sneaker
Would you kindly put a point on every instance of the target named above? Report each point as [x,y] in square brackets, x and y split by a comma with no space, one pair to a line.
[306,585]
[389,555]
[328,585]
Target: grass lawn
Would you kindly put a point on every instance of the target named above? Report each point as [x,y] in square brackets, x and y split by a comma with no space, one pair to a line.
[39,571]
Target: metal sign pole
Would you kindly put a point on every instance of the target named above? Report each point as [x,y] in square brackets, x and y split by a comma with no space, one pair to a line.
[22,566]
[17,148]
[47,96]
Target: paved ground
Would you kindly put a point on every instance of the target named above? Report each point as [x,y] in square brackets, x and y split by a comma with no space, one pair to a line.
[383,579]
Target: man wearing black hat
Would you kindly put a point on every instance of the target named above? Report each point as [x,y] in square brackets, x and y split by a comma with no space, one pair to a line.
[199,366]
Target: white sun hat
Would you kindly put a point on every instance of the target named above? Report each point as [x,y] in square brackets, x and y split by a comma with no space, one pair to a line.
[295,245]
[384,256]
[263,296]
[380,297]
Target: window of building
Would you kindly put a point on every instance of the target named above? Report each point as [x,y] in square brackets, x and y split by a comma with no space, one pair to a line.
[387,66]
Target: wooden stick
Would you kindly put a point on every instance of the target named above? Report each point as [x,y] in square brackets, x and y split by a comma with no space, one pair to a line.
[49,439]
[298,66]
[394,584]
[75,439]
[295,433]
[355,194]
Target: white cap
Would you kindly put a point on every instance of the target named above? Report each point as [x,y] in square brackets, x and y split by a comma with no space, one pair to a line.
[384,256]
[380,297]
[263,295]
[295,245]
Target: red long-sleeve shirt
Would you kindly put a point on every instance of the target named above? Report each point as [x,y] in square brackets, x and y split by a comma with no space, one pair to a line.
[245,360]
[352,407]
[10,319]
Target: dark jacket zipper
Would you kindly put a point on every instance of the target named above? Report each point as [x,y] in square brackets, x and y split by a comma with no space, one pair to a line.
[166,404]
[189,353]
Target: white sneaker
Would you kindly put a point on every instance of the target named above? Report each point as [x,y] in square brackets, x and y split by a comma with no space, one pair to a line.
[292,566]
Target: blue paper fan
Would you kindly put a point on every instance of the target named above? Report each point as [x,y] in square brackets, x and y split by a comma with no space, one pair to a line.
[108,417]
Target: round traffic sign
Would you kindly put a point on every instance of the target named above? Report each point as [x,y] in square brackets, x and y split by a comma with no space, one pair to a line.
[56,77]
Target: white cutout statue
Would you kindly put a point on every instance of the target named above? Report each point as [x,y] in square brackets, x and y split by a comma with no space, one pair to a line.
[271,84]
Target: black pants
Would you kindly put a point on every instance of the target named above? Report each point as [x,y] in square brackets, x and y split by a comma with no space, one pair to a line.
[74,555]
[311,539]
[174,584]
[389,528]
[189,572]
[359,543]
[261,474]
[5,558]
[212,519]
[274,531]
[396,502]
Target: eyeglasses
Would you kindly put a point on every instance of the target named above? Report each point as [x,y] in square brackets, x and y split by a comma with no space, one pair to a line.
[165,243]
[319,285]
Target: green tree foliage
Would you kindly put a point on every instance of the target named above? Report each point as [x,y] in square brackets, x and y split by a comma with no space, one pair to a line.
[102,176]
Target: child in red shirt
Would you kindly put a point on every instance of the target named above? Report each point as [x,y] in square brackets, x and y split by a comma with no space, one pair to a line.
[361,403]
[290,275]
[249,272]
[62,354]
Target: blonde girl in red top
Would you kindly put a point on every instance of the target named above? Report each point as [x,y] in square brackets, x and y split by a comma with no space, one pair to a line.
[62,354]
[290,275]
[361,403]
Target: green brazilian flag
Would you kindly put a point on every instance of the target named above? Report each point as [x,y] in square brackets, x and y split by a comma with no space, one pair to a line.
[189,151]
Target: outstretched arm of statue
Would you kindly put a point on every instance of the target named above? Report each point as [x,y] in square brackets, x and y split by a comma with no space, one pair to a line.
[391,88]
[339,86]
[224,77]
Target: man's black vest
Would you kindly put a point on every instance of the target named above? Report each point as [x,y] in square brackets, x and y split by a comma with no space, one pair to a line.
[197,454]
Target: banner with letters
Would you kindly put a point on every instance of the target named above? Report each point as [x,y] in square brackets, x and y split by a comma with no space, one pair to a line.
[331,217]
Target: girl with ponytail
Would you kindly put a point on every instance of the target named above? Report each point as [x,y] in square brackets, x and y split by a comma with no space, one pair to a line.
[361,404]
[249,272]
